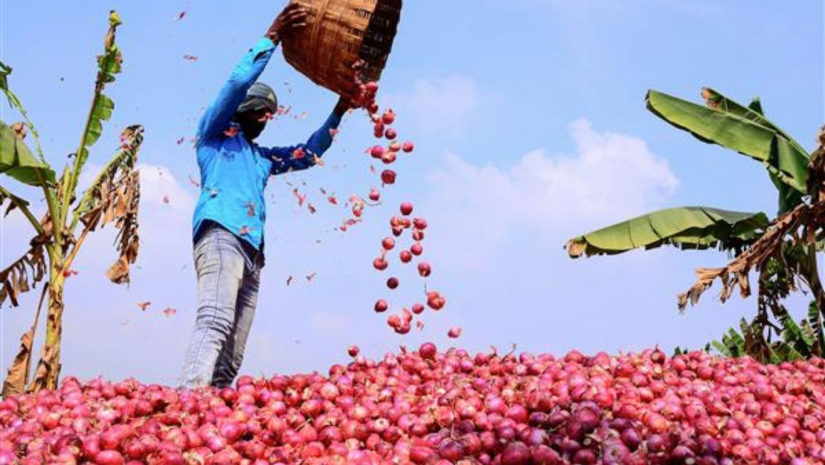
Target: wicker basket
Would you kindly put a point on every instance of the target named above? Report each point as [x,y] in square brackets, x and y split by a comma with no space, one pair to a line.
[339,33]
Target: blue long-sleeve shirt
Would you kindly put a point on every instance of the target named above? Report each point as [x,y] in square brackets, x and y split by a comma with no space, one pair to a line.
[234,172]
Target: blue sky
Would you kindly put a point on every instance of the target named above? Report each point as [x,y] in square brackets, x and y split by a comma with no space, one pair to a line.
[530,128]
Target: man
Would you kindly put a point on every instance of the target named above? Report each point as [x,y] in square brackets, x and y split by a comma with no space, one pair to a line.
[229,217]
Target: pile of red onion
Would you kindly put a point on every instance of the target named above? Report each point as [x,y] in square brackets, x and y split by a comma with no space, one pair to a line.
[439,408]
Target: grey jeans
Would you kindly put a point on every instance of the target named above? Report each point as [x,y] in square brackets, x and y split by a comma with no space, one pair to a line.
[229,273]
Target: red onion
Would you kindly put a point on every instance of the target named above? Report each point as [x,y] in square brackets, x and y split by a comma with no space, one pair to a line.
[109,457]
[451,450]
[581,423]
[428,350]
[585,457]
[516,453]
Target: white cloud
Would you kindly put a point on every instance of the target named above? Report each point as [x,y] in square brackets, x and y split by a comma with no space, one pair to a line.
[87,176]
[611,177]
[157,183]
[436,105]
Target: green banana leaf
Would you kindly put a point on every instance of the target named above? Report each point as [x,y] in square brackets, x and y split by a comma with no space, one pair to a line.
[6,195]
[756,105]
[734,342]
[752,112]
[815,325]
[788,198]
[5,70]
[747,133]
[685,227]
[109,64]
[104,106]
[17,161]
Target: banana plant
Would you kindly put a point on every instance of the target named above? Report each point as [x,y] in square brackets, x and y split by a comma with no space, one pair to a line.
[113,197]
[798,341]
[782,250]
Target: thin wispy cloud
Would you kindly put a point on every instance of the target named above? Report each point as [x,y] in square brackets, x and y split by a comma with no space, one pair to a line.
[441,105]
[611,176]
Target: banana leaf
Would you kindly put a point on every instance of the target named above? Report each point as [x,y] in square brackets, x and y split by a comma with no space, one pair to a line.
[752,112]
[109,65]
[735,341]
[5,70]
[685,227]
[756,105]
[18,374]
[788,197]
[123,162]
[17,161]
[15,201]
[794,337]
[747,133]
[815,324]
[102,111]
[722,349]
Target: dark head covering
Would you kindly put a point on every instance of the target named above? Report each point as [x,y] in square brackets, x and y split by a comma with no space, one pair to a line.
[260,96]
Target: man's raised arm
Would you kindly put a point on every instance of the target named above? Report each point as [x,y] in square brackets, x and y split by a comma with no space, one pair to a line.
[220,112]
[302,156]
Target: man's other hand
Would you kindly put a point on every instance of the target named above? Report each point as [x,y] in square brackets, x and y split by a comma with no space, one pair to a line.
[293,18]
[343,106]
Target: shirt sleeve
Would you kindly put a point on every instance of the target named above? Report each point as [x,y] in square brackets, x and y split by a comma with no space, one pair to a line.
[302,156]
[220,112]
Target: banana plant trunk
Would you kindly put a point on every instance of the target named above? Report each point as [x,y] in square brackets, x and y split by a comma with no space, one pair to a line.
[48,368]
[819,293]
[816,284]
[810,272]
[811,269]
